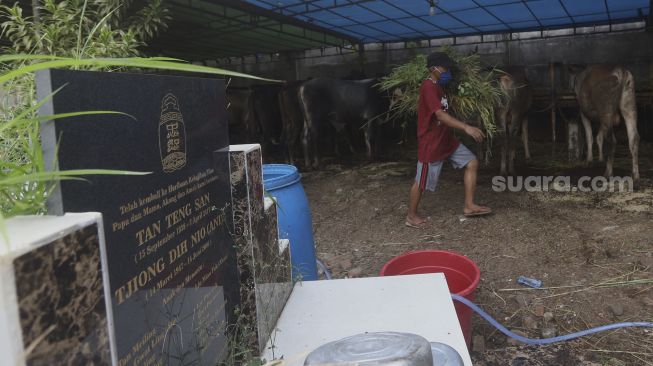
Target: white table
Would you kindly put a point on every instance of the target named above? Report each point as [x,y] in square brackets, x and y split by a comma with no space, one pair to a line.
[319,312]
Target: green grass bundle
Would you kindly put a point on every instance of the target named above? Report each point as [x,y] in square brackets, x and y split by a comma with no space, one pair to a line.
[407,77]
[473,94]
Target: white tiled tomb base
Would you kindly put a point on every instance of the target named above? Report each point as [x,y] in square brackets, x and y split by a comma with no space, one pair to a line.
[319,312]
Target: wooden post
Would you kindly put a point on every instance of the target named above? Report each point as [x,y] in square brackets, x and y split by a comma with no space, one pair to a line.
[553,107]
[553,101]
[361,58]
[649,21]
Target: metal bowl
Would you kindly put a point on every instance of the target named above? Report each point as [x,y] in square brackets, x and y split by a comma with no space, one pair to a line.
[379,349]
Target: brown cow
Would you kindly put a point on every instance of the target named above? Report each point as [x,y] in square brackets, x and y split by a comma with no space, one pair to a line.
[513,114]
[606,94]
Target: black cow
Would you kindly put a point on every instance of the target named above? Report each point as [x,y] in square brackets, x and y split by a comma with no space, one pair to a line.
[264,106]
[242,128]
[342,104]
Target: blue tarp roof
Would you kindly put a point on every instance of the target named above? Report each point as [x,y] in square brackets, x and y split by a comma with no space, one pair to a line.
[400,20]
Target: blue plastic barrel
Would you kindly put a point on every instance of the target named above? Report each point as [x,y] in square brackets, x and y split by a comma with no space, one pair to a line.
[282,182]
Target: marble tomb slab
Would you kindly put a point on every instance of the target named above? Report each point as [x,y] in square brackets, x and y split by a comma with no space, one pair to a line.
[264,265]
[170,251]
[52,292]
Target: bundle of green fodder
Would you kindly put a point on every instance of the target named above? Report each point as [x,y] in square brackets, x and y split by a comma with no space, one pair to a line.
[473,94]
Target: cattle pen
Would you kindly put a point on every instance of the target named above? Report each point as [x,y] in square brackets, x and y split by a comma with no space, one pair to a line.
[590,248]
[500,150]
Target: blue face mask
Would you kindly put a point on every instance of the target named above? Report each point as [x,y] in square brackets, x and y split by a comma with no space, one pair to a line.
[445,78]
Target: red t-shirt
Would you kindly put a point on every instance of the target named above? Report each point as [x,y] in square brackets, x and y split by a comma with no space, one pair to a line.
[435,141]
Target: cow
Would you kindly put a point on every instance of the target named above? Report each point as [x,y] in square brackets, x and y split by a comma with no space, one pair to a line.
[606,94]
[512,114]
[342,104]
[264,106]
[291,118]
[242,126]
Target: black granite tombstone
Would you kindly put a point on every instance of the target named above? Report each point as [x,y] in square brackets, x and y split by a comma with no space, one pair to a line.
[171,262]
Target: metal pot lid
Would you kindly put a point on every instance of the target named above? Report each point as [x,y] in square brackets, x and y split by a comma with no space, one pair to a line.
[379,349]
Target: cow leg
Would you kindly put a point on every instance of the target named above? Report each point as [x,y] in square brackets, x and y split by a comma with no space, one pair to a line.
[588,136]
[309,142]
[288,141]
[505,131]
[291,145]
[600,136]
[488,151]
[505,151]
[524,138]
[315,147]
[629,113]
[350,144]
[306,143]
[504,146]
[612,146]
[512,143]
[296,144]
[337,138]
[369,136]
[606,130]
[294,135]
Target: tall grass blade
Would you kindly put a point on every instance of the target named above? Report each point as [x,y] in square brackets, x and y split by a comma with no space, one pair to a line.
[135,62]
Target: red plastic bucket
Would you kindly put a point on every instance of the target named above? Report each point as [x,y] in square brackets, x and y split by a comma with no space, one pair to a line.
[462,276]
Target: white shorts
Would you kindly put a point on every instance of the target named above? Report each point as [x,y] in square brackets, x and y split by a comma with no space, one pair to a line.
[428,173]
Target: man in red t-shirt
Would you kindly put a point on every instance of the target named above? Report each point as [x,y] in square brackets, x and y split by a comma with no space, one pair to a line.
[436,142]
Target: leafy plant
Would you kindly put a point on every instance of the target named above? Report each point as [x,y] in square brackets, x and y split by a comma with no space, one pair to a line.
[59,32]
[79,28]
[73,29]
[473,95]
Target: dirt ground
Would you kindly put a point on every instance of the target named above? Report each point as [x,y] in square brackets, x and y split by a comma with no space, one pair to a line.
[573,241]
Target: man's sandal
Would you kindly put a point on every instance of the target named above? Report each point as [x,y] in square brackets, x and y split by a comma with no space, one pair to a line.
[478,213]
[416,226]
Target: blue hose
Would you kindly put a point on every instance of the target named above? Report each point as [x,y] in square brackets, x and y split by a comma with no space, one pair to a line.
[531,341]
[324,269]
[534,341]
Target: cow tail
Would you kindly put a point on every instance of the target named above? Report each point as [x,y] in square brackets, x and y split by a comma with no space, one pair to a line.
[629,82]
[255,122]
[628,104]
[306,131]
[302,104]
